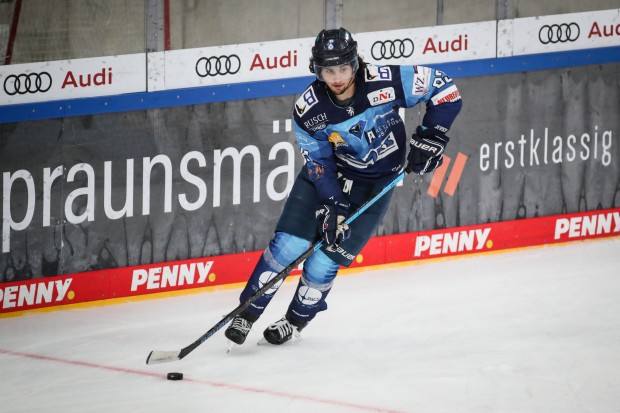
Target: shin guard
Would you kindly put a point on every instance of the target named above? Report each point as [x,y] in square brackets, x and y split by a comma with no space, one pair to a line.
[266,268]
[308,301]
[314,285]
[283,249]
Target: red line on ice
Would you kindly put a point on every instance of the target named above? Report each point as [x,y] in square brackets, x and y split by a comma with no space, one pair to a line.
[199,381]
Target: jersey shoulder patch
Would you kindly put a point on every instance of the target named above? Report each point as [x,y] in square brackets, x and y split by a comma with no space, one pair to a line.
[377,73]
[306,101]
[421,80]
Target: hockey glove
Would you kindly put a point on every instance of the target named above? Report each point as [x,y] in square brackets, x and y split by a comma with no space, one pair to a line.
[331,219]
[426,150]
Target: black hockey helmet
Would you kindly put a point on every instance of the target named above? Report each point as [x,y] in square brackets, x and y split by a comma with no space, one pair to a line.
[333,48]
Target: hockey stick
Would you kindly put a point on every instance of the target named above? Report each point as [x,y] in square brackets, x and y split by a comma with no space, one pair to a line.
[157,356]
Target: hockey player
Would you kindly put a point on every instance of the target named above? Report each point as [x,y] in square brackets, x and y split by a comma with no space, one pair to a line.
[353,142]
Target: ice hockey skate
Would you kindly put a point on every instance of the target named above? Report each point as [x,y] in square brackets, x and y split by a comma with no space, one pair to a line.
[238,331]
[282,331]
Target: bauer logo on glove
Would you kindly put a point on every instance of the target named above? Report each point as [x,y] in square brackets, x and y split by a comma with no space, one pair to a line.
[426,150]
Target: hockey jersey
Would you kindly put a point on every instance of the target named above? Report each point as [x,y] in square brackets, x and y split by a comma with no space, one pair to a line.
[367,140]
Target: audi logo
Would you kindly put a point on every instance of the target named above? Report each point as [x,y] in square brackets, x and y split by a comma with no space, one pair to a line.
[218,65]
[559,33]
[392,49]
[27,83]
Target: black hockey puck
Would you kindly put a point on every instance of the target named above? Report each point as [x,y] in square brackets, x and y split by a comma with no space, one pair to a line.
[175,376]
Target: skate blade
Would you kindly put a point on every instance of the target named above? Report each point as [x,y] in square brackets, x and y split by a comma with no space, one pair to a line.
[230,345]
[263,342]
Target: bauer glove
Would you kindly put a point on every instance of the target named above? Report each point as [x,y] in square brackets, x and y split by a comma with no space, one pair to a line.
[330,219]
[426,150]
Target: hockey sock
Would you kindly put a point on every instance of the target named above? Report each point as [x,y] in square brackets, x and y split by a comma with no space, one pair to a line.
[283,249]
[308,301]
[314,285]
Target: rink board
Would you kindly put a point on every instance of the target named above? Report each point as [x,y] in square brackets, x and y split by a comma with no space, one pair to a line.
[236,268]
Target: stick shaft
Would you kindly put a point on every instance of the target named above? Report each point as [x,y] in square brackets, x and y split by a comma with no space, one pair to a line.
[165,356]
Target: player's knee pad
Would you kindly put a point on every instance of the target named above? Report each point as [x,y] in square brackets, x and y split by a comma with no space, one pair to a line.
[286,248]
[319,269]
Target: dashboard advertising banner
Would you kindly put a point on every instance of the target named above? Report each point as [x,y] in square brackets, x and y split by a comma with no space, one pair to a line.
[144,187]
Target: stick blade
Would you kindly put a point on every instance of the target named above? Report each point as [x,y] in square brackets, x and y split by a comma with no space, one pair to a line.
[157,357]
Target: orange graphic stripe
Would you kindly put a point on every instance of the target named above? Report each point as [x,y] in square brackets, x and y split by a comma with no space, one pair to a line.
[455,175]
[440,172]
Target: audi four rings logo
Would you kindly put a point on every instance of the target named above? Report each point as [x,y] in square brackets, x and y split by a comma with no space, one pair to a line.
[27,83]
[218,65]
[392,49]
[559,33]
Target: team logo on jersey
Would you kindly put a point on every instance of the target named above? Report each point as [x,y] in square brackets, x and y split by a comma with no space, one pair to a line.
[305,101]
[387,147]
[377,73]
[357,130]
[336,140]
[381,96]
[421,80]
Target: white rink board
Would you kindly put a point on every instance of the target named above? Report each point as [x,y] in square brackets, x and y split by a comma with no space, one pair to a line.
[70,79]
[249,62]
[440,44]
[286,59]
[574,31]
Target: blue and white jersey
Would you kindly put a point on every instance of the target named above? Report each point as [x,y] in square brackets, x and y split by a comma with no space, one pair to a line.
[367,140]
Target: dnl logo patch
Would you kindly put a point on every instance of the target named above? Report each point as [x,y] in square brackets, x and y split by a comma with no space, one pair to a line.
[381,96]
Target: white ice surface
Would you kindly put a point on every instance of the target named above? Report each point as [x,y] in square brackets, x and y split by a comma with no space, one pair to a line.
[535,330]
